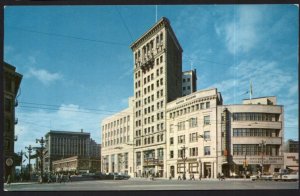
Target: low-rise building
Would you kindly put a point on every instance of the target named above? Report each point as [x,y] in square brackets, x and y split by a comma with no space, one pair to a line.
[252,136]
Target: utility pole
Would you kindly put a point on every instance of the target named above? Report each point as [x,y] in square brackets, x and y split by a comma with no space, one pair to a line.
[262,144]
[184,158]
[42,141]
[29,148]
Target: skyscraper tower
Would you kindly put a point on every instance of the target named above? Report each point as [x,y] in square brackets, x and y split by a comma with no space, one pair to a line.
[157,81]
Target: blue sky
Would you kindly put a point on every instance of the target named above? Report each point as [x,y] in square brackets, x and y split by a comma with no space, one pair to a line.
[77,63]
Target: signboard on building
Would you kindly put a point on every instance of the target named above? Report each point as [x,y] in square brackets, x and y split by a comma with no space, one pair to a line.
[259,160]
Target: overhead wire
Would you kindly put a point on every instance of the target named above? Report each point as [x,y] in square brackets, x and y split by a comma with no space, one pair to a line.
[68,36]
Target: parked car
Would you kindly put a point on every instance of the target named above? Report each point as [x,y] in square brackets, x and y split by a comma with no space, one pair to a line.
[120,176]
[293,176]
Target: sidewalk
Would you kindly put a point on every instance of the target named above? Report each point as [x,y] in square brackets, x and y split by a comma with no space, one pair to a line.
[202,179]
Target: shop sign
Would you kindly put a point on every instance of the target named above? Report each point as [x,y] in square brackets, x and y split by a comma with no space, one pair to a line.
[258,160]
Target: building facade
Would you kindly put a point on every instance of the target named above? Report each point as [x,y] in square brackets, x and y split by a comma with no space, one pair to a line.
[64,144]
[77,164]
[157,78]
[11,81]
[117,142]
[189,82]
[253,136]
[192,135]
[175,132]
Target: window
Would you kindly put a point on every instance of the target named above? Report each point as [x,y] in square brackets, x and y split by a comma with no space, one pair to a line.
[181,139]
[193,137]
[183,80]
[181,126]
[171,154]
[171,140]
[207,150]
[207,105]
[193,122]
[183,88]
[201,106]
[188,79]
[193,151]
[161,59]
[138,158]
[206,120]
[206,135]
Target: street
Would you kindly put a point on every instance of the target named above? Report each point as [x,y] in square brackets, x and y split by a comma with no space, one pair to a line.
[157,184]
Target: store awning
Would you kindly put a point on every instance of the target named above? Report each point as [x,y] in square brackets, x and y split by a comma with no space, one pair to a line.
[295,168]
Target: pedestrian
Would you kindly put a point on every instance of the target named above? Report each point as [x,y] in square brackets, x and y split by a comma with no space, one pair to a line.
[200,177]
[57,177]
[193,177]
[179,177]
[219,176]
[49,178]
[222,176]
[69,177]
[8,180]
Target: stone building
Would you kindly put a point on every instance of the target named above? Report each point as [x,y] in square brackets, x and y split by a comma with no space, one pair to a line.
[117,146]
[177,132]
[64,144]
[77,164]
[11,84]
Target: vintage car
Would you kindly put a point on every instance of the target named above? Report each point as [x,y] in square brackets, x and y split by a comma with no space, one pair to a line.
[293,176]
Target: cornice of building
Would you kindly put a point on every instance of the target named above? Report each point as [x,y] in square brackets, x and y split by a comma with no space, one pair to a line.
[163,22]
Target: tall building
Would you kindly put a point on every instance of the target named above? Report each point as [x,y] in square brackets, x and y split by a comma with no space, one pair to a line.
[11,81]
[64,144]
[176,131]
[157,78]
[189,82]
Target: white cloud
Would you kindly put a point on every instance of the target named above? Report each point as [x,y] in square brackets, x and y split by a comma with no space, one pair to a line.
[243,33]
[43,75]
[267,79]
[293,90]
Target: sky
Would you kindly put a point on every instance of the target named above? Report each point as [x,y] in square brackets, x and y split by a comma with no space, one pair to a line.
[77,64]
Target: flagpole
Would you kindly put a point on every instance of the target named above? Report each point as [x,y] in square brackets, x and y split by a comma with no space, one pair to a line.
[250,89]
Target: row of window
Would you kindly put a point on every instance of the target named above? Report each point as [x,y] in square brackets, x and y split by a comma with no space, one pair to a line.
[193,137]
[255,149]
[245,132]
[186,88]
[150,154]
[117,132]
[186,79]
[192,152]
[189,109]
[150,140]
[148,47]
[255,117]
[116,141]
[116,123]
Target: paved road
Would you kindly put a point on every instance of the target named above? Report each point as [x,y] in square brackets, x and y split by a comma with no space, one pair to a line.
[158,184]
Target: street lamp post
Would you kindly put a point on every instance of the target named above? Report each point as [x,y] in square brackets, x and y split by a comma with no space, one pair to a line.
[29,148]
[262,144]
[184,158]
[42,141]
[202,137]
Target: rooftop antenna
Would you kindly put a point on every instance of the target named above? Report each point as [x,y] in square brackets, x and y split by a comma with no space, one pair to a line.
[250,92]
[155,13]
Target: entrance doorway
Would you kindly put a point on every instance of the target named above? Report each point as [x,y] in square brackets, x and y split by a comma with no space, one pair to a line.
[172,169]
[207,171]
